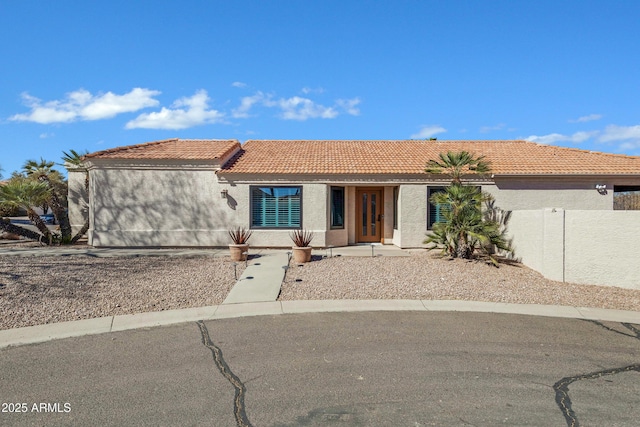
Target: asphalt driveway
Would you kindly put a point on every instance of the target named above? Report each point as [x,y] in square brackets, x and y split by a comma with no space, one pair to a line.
[347,369]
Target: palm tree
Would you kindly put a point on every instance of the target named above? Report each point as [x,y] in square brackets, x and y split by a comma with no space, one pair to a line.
[40,183]
[32,167]
[75,159]
[455,164]
[26,194]
[466,227]
[35,170]
[43,171]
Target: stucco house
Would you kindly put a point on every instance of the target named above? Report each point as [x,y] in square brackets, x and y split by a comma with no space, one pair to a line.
[190,192]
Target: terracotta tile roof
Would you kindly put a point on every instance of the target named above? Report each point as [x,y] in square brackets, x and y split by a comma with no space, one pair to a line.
[169,149]
[410,157]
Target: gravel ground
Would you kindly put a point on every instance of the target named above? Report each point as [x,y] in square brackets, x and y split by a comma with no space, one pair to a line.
[425,275]
[48,289]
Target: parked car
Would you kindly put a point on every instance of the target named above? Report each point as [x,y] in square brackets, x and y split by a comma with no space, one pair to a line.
[48,218]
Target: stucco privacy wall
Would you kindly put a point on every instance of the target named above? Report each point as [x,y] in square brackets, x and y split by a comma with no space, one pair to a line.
[602,247]
[579,246]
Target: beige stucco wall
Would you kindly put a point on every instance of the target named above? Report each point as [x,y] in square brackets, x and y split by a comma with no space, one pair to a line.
[184,207]
[387,221]
[535,193]
[536,237]
[77,197]
[602,247]
[151,207]
[579,246]
[412,212]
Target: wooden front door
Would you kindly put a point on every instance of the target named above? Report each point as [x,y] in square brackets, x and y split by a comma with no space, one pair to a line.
[369,215]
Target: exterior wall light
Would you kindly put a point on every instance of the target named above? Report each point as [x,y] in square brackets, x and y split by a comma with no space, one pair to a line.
[224,193]
[602,188]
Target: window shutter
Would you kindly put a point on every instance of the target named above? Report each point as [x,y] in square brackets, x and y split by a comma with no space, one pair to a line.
[436,212]
[276,207]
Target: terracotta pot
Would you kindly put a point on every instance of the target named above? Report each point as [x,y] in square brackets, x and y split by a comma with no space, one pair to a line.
[237,251]
[301,255]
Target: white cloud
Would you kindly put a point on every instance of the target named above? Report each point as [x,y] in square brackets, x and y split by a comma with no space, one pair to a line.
[109,105]
[624,138]
[553,138]
[589,118]
[630,146]
[239,84]
[428,132]
[308,90]
[486,129]
[583,136]
[547,139]
[46,135]
[246,103]
[349,105]
[82,105]
[194,113]
[620,133]
[298,108]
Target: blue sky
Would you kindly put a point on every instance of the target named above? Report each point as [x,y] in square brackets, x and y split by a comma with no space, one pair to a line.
[95,75]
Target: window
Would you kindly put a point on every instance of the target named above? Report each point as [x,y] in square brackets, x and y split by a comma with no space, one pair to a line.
[276,207]
[435,213]
[337,207]
[626,197]
[396,193]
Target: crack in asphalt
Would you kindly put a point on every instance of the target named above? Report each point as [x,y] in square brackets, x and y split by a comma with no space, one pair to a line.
[562,387]
[631,327]
[562,390]
[239,409]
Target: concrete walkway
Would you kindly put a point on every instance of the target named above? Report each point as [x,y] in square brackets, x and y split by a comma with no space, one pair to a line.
[261,280]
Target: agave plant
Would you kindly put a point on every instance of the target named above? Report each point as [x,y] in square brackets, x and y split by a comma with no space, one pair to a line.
[301,238]
[240,235]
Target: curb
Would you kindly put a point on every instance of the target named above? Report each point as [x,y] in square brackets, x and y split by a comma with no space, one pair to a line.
[43,333]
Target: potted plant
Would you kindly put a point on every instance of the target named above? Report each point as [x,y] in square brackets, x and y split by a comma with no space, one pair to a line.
[301,241]
[240,245]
